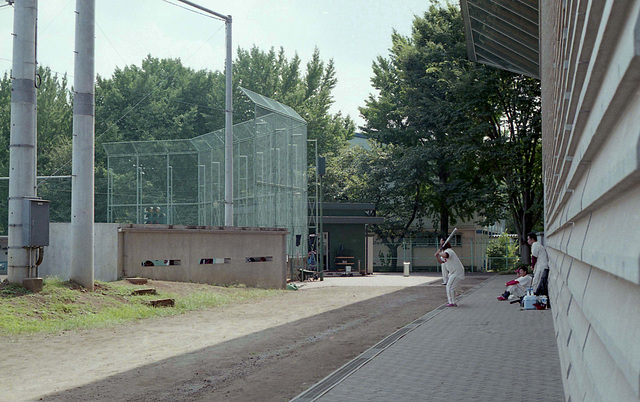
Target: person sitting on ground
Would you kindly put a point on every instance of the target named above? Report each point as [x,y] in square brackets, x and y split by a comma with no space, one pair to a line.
[517,287]
[311,261]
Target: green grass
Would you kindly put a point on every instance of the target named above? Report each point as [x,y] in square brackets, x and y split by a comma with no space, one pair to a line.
[64,306]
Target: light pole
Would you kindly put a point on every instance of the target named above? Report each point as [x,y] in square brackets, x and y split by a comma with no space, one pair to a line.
[228,122]
[23,144]
[321,170]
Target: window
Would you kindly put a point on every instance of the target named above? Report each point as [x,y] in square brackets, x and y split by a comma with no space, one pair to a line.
[207,261]
[259,259]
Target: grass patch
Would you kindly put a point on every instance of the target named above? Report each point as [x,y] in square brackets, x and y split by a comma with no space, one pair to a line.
[63,306]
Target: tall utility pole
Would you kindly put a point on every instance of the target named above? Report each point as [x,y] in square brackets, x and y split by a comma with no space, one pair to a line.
[22,148]
[82,182]
[321,167]
[228,122]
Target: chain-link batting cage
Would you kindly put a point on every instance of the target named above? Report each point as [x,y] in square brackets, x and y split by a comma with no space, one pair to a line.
[182,182]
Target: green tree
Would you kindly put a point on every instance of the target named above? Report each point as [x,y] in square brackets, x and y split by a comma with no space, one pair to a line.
[160,100]
[5,127]
[309,93]
[390,176]
[420,87]
[512,151]
[502,253]
[476,129]
[54,117]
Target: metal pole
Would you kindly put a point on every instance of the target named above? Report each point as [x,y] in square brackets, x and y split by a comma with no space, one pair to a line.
[228,125]
[321,243]
[82,183]
[228,137]
[22,148]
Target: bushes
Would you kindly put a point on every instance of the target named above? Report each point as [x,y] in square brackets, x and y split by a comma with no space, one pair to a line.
[502,254]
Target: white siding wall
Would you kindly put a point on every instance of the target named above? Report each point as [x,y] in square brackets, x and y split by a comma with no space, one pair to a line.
[590,68]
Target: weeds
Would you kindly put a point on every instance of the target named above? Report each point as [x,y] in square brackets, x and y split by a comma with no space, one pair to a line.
[63,306]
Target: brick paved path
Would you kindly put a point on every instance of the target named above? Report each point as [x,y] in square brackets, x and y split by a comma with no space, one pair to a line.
[483,350]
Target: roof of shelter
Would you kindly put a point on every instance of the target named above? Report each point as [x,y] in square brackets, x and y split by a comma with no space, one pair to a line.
[503,34]
[272,105]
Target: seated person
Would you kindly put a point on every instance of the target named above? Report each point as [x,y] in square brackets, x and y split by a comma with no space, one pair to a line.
[517,287]
[311,261]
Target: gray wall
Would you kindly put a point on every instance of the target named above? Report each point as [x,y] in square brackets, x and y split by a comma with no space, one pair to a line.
[57,256]
[139,243]
[590,68]
[120,251]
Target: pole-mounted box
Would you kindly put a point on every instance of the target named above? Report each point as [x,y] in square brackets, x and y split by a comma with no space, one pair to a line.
[35,222]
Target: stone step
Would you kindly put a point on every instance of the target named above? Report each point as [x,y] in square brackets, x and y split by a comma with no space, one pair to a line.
[163,303]
[144,291]
[138,281]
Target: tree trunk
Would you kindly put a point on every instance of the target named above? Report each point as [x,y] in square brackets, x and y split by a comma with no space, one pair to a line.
[444,222]
[525,226]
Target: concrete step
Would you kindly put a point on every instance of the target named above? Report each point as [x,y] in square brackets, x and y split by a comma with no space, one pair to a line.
[163,303]
[144,291]
[138,281]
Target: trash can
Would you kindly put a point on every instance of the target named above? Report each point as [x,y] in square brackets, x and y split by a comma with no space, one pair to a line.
[406,268]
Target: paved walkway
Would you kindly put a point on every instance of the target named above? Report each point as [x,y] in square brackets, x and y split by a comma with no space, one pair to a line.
[483,350]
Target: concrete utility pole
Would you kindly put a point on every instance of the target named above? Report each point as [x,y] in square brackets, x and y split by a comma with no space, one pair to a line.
[228,122]
[22,148]
[228,133]
[82,189]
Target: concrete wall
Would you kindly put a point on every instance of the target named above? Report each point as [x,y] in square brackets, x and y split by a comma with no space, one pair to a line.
[236,252]
[57,256]
[4,254]
[120,251]
[590,69]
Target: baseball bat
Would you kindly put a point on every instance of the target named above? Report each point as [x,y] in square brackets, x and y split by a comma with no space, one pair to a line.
[449,238]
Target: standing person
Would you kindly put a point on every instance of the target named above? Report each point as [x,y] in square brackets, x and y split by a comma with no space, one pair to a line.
[455,271]
[539,265]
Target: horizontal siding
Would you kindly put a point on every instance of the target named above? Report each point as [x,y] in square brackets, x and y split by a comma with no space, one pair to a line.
[590,70]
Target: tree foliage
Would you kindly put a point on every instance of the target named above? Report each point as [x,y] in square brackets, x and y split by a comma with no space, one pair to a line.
[308,93]
[162,99]
[473,132]
[502,253]
[54,117]
[421,86]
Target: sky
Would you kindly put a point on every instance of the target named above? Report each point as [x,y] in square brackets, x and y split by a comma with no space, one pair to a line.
[351,32]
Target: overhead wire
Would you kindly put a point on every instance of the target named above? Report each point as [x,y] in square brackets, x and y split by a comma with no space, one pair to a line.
[110,43]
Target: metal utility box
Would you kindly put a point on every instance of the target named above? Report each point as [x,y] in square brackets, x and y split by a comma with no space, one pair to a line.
[35,229]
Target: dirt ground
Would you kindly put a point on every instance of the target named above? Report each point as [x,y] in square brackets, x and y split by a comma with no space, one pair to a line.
[268,350]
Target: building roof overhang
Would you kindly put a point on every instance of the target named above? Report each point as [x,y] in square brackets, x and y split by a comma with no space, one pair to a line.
[503,34]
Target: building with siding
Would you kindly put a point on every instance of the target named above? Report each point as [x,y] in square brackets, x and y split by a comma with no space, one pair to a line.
[587,56]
